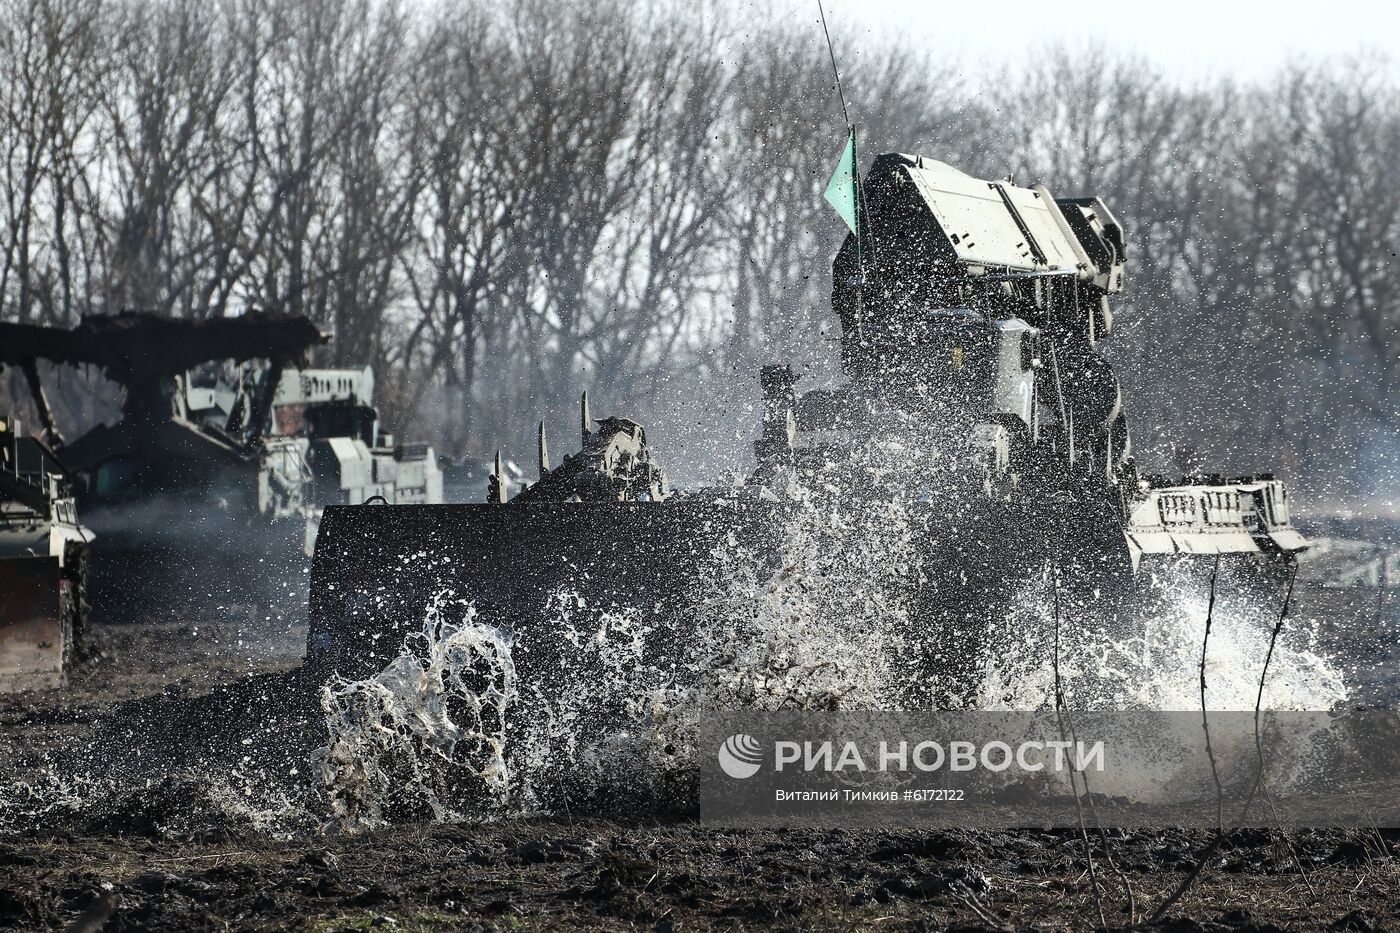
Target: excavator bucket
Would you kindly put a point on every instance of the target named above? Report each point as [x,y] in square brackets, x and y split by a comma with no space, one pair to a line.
[35,628]
[535,571]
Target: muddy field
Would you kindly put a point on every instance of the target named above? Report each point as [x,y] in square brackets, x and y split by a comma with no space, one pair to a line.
[639,872]
[543,874]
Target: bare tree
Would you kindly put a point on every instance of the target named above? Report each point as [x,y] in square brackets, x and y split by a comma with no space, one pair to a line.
[501,203]
[47,82]
[170,81]
[479,168]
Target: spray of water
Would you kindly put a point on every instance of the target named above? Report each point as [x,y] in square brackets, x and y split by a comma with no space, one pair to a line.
[1153,662]
[611,707]
[428,731]
[598,706]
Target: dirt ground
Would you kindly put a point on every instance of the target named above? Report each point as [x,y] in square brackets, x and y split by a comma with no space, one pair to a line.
[639,873]
[547,874]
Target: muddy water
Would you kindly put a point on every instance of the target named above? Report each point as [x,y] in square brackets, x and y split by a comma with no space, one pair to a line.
[211,724]
[246,829]
[533,737]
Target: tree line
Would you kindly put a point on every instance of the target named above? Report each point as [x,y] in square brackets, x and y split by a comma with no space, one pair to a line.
[497,204]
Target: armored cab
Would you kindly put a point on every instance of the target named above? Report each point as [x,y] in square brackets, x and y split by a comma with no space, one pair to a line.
[986,302]
[937,238]
[962,280]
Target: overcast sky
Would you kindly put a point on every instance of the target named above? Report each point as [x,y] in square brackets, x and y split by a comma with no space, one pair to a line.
[1188,39]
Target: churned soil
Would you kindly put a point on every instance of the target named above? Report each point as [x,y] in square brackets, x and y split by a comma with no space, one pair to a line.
[639,873]
[551,874]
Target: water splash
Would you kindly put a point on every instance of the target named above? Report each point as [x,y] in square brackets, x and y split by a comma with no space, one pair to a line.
[425,736]
[606,704]
[595,707]
[1153,662]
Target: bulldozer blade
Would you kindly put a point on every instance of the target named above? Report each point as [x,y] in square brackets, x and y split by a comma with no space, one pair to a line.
[377,570]
[547,574]
[35,631]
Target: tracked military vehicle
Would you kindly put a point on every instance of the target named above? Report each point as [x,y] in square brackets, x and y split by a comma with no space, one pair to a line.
[174,503]
[322,444]
[208,490]
[976,408]
[43,561]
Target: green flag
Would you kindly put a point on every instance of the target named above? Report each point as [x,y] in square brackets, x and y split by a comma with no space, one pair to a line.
[841,191]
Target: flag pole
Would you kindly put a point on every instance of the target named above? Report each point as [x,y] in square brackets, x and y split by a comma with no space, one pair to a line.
[860,254]
[855,175]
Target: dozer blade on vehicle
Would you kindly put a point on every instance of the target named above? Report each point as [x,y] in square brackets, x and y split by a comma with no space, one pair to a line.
[35,628]
[597,540]
[43,561]
[524,568]
[598,551]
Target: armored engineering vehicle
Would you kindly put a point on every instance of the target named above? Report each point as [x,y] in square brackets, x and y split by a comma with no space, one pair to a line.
[323,443]
[976,407]
[43,559]
[173,503]
[209,487]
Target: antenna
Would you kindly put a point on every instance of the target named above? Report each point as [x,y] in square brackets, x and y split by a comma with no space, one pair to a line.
[845,115]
